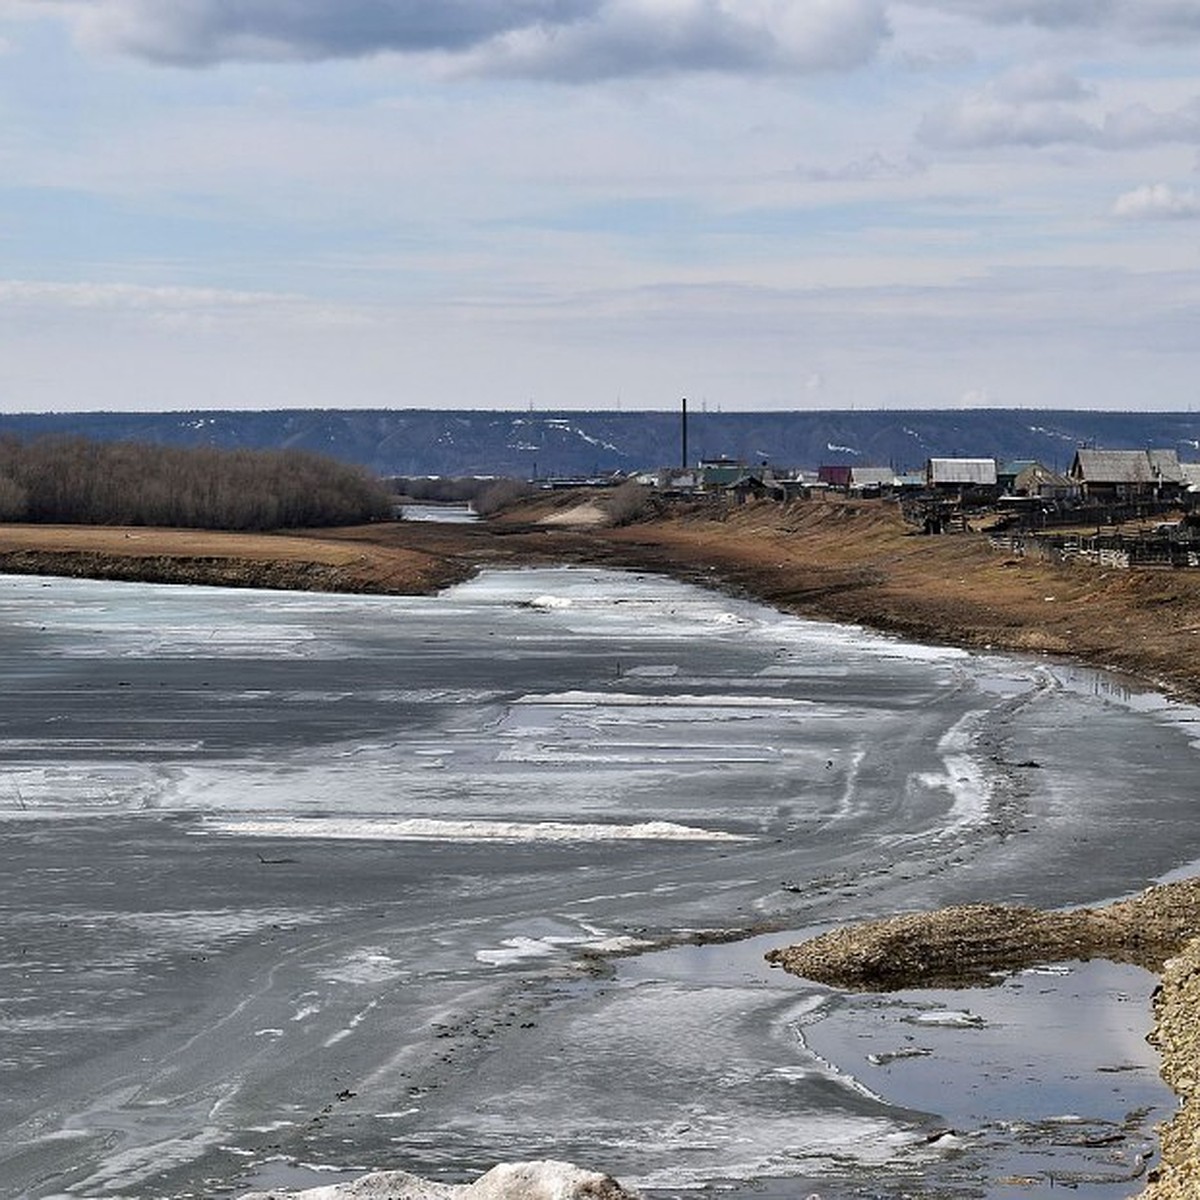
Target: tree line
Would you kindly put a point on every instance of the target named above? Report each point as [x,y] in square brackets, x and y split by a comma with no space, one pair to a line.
[486,494]
[72,480]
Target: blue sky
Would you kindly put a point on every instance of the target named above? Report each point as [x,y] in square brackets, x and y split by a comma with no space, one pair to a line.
[759,204]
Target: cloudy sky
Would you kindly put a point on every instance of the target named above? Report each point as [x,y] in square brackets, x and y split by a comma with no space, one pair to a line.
[599,203]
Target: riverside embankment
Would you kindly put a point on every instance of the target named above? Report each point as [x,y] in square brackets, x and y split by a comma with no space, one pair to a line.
[852,562]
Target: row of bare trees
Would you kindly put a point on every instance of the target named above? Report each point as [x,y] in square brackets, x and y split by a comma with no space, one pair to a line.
[486,494]
[77,481]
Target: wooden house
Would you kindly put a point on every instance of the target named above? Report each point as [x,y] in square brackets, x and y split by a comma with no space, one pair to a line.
[970,479]
[1028,477]
[1118,475]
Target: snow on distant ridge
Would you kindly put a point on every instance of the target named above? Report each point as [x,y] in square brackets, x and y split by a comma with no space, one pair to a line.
[541,1180]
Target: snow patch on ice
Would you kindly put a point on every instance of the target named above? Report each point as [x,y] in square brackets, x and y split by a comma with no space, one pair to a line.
[946,1018]
[581,699]
[522,949]
[430,830]
[365,965]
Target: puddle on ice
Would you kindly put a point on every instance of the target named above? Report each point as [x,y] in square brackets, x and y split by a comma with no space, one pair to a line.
[1045,1081]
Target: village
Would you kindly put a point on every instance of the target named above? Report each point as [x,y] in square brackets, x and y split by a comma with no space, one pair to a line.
[1117,508]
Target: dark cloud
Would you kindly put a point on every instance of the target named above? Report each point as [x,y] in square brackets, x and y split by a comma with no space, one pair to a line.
[202,32]
[554,39]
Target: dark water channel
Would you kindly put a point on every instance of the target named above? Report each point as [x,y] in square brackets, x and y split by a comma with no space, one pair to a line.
[297,886]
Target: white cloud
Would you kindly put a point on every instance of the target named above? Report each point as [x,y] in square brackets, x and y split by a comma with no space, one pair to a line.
[567,40]
[178,306]
[869,168]
[1039,82]
[1143,20]
[981,121]
[650,37]
[977,398]
[1158,202]
[988,119]
[1139,125]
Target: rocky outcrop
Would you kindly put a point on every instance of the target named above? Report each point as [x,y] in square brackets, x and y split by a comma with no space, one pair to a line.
[966,945]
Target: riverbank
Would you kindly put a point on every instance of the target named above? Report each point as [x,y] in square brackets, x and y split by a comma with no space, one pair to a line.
[842,561]
[859,563]
[286,562]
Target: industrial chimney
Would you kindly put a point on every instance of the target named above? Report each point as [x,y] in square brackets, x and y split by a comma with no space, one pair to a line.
[683,448]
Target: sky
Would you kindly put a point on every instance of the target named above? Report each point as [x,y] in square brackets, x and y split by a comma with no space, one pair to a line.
[598,204]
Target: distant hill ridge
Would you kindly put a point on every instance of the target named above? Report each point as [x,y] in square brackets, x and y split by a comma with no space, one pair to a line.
[565,443]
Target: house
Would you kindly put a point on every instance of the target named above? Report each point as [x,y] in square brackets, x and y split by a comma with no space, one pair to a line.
[755,485]
[835,476]
[911,481]
[872,479]
[1128,474]
[973,477]
[1028,477]
[1006,473]
[850,478]
[716,473]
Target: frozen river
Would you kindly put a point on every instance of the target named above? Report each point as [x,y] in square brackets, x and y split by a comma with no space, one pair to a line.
[295,886]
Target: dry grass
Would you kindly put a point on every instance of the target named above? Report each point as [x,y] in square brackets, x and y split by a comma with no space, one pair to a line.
[232,559]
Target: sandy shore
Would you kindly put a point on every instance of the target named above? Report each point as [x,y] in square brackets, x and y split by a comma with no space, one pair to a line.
[847,562]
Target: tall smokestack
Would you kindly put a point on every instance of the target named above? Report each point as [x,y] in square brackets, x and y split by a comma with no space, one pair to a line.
[683,446]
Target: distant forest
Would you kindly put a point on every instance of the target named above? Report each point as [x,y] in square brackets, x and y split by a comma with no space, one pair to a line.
[72,480]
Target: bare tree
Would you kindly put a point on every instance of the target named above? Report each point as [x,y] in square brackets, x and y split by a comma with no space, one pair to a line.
[75,481]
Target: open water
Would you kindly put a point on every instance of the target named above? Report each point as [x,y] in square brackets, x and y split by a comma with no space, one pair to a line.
[295,886]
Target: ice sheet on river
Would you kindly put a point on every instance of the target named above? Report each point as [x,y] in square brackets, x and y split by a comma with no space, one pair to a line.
[297,879]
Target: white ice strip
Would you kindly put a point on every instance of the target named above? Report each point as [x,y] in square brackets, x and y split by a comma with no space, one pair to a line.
[640,700]
[427,830]
[965,777]
[60,745]
[604,755]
